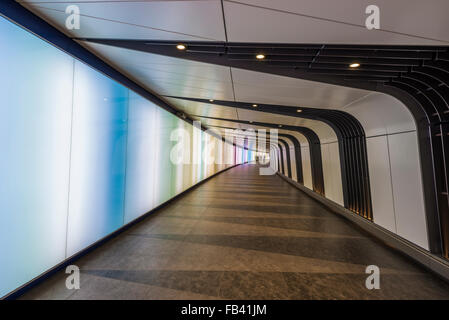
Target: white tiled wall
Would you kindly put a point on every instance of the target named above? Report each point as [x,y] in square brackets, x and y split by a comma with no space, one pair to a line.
[293,162]
[407,188]
[284,155]
[332,172]
[393,162]
[394,168]
[306,167]
[380,182]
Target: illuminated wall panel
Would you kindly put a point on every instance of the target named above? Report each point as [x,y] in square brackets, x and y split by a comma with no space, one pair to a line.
[196,155]
[35,121]
[84,156]
[188,168]
[184,144]
[202,153]
[165,123]
[140,168]
[97,177]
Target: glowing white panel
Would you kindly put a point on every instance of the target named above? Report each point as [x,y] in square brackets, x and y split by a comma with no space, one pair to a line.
[34,168]
[140,169]
[183,143]
[97,177]
[165,172]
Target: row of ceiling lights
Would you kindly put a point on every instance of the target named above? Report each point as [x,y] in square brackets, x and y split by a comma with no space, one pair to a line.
[261,56]
[256,105]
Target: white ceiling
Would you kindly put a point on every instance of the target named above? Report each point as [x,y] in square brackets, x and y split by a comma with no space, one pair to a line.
[292,21]
[161,20]
[301,21]
[267,88]
[337,21]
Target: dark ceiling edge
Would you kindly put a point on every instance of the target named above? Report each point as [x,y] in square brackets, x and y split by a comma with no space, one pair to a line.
[26,19]
[217,53]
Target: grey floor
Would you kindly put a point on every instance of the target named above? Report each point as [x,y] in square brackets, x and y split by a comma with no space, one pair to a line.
[243,236]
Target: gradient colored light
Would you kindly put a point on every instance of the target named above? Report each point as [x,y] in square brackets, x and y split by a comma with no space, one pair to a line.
[85,156]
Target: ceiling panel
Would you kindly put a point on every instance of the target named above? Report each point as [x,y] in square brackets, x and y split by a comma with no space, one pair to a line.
[213,122]
[169,76]
[337,22]
[167,20]
[204,109]
[259,87]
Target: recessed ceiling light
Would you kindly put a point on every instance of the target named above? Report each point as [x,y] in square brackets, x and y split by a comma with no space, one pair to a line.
[255,105]
[280,126]
[299,110]
[260,56]
[251,121]
[181,47]
[354,65]
[211,100]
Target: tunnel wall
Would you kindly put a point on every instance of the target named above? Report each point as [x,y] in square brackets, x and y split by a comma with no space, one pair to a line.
[393,163]
[306,167]
[330,157]
[83,156]
[291,150]
[394,166]
[305,158]
[330,160]
[332,172]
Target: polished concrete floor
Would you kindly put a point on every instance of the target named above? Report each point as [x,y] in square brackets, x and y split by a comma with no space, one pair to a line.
[243,236]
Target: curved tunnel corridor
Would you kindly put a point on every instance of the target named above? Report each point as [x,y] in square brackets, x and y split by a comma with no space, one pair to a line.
[241,235]
[224,149]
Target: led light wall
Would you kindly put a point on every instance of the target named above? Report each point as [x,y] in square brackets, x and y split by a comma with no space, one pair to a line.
[98,158]
[82,156]
[35,126]
[141,160]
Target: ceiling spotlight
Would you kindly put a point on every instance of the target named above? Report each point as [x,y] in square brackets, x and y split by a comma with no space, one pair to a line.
[354,65]
[250,121]
[280,126]
[299,110]
[181,47]
[254,105]
[211,100]
[260,56]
